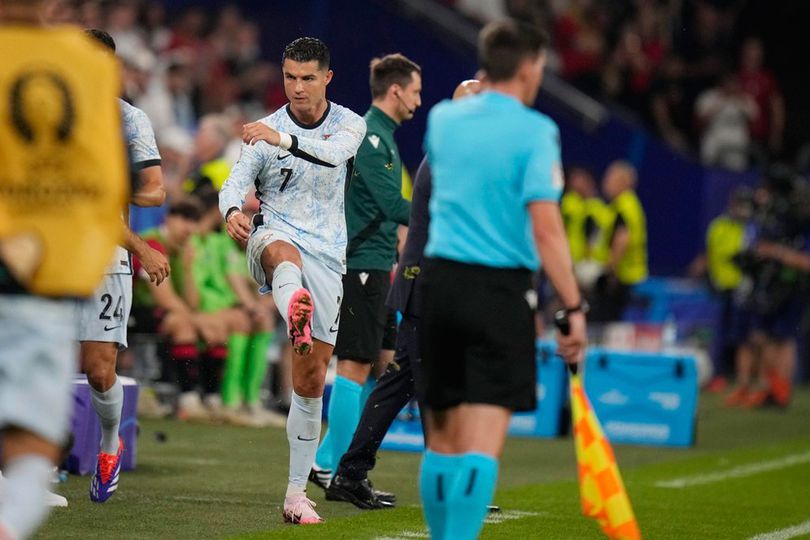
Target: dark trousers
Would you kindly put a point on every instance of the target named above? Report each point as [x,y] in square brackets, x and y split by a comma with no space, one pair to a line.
[394,390]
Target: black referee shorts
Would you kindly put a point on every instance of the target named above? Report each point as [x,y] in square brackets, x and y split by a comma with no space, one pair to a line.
[364,316]
[478,336]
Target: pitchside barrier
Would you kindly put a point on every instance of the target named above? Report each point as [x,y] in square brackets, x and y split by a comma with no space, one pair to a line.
[640,398]
[643,398]
[87,430]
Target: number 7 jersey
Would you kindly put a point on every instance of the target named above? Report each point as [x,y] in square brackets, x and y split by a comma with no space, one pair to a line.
[301,190]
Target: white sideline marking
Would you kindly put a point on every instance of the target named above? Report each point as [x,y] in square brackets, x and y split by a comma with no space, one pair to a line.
[736,472]
[785,534]
[492,519]
[190,461]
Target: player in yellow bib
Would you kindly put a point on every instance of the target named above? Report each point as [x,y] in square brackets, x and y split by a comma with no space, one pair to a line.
[63,186]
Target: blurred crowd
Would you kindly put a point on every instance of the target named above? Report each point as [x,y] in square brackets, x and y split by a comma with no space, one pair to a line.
[197,76]
[676,65]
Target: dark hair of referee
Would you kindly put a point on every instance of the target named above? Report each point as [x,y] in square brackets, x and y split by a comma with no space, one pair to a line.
[307,49]
[502,46]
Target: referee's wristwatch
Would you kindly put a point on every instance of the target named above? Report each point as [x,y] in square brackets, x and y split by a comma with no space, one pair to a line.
[561,316]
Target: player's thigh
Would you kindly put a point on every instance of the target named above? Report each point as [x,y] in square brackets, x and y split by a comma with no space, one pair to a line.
[326,287]
[265,249]
[103,316]
[38,357]
[501,366]
[363,315]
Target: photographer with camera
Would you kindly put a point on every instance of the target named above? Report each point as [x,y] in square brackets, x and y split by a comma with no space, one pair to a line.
[777,268]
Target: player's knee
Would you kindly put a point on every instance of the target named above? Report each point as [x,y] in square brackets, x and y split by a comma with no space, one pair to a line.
[278,252]
[240,322]
[354,371]
[101,373]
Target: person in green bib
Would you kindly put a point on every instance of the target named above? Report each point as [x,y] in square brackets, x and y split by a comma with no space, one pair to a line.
[220,279]
[625,241]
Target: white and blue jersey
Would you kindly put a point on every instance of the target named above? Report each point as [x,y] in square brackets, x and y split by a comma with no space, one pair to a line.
[143,152]
[140,137]
[301,190]
[490,156]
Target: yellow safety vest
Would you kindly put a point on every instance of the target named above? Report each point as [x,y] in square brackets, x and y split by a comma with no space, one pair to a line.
[632,268]
[602,215]
[574,214]
[63,173]
[724,240]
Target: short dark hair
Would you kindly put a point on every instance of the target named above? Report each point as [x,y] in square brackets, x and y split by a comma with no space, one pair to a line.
[307,49]
[389,70]
[186,208]
[503,45]
[101,37]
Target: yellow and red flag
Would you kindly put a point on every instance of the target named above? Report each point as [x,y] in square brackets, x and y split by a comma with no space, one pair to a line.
[600,484]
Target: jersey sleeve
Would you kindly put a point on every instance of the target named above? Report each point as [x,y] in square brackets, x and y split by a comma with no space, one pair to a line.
[543,180]
[243,175]
[337,149]
[374,166]
[141,140]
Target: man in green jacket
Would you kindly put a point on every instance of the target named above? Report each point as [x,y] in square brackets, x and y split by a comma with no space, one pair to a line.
[375,209]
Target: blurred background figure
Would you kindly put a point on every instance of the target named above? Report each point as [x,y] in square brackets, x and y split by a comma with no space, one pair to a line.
[624,244]
[586,218]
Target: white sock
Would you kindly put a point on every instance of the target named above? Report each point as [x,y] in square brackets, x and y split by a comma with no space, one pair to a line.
[108,406]
[286,280]
[23,506]
[303,433]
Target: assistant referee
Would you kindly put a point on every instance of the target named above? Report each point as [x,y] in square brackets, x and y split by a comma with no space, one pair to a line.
[497,180]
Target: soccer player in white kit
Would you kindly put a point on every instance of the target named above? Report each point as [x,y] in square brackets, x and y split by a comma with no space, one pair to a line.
[103,317]
[300,160]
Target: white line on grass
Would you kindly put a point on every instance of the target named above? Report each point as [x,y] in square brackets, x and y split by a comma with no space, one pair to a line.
[785,534]
[492,519]
[736,472]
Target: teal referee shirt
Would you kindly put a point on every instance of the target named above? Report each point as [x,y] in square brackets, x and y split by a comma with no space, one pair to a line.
[490,157]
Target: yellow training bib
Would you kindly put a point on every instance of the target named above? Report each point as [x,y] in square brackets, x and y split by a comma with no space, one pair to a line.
[63,173]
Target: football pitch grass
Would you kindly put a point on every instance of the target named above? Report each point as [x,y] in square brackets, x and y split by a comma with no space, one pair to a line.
[748,474]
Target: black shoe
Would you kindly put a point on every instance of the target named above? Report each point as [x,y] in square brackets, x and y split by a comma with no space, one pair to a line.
[491,509]
[384,496]
[359,493]
[320,477]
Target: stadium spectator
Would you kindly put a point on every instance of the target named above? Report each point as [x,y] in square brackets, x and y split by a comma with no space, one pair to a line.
[724,114]
[579,34]
[670,107]
[374,209]
[759,83]
[626,242]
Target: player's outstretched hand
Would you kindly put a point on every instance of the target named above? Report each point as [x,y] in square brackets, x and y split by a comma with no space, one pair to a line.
[572,346]
[258,131]
[239,227]
[154,264]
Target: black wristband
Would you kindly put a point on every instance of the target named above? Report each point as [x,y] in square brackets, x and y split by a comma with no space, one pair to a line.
[583,306]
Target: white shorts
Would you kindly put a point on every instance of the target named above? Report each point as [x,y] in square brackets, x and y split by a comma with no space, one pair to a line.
[325,285]
[104,316]
[38,357]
